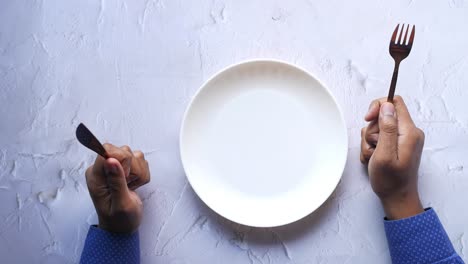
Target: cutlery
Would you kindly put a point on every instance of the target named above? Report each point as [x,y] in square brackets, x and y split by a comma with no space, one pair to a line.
[399,50]
[88,140]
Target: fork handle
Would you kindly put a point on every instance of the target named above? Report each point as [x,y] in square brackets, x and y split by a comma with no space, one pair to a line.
[391,92]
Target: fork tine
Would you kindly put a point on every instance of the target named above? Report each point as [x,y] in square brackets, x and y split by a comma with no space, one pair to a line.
[394,34]
[405,39]
[401,34]
[412,35]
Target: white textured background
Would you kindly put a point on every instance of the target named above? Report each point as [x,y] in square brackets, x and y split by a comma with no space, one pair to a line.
[127,69]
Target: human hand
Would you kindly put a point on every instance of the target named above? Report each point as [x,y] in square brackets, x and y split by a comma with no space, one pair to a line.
[391,146]
[112,183]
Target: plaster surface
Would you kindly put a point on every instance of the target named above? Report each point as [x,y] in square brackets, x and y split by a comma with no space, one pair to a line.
[128,69]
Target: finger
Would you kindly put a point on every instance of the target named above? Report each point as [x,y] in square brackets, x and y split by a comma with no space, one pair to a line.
[405,122]
[116,180]
[137,170]
[371,134]
[122,155]
[386,149]
[366,151]
[137,184]
[142,170]
[373,112]
[372,139]
[95,175]
[373,127]
[96,182]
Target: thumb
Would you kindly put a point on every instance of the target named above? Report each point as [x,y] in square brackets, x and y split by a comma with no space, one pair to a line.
[116,180]
[387,144]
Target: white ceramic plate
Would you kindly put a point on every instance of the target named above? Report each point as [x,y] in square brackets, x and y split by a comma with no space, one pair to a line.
[263,143]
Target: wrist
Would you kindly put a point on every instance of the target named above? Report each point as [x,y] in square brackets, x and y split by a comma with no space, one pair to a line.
[116,225]
[116,231]
[402,206]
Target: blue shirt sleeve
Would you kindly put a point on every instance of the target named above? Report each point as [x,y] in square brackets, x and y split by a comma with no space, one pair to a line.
[420,239]
[102,247]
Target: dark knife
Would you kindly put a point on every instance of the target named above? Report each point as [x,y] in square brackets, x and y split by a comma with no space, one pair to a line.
[88,140]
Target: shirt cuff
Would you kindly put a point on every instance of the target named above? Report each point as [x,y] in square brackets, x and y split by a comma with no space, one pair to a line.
[106,247]
[418,239]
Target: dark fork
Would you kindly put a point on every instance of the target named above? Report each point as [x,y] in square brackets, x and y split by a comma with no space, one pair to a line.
[399,50]
[87,138]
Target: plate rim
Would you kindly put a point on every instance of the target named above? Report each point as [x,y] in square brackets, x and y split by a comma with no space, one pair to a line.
[262,60]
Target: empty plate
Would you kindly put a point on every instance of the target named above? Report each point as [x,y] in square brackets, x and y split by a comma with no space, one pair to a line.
[263,143]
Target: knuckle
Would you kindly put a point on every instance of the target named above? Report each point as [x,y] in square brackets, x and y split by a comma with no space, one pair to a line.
[389,127]
[363,160]
[139,155]
[108,146]
[127,153]
[374,103]
[367,153]
[148,175]
[363,131]
[399,99]
[127,148]
[128,156]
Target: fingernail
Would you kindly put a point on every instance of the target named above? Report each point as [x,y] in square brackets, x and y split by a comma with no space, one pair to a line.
[388,109]
[111,169]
